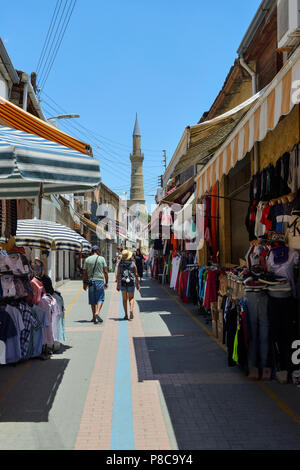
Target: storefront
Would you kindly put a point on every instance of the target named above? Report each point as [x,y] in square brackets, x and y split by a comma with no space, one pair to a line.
[245,272]
[31,167]
[253,293]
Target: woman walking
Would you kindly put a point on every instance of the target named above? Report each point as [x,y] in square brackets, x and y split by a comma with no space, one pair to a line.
[139,261]
[117,261]
[127,280]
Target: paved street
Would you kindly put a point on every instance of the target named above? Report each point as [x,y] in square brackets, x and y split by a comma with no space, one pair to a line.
[160,381]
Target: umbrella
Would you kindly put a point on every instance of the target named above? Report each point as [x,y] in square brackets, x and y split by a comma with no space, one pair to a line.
[27,161]
[47,235]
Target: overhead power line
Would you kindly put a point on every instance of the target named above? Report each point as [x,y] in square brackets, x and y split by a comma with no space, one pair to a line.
[46,63]
[110,141]
[105,153]
[49,32]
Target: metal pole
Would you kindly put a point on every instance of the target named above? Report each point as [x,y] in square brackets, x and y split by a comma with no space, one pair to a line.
[41,199]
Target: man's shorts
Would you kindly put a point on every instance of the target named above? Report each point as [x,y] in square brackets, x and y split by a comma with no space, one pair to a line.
[96,293]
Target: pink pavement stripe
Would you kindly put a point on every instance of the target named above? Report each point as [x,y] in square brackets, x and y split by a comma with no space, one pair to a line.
[85,328]
[149,426]
[96,421]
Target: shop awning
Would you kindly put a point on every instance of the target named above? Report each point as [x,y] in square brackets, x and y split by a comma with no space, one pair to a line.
[180,192]
[278,99]
[181,195]
[92,226]
[205,138]
[201,140]
[27,160]
[189,202]
[47,235]
[16,118]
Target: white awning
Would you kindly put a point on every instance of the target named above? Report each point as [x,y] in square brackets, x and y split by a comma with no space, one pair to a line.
[278,99]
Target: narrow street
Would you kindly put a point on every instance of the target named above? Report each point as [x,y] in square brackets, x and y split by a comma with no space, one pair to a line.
[160,381]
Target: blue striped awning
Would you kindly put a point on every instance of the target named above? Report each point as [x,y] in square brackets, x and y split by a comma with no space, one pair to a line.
[43,234]
[27,160]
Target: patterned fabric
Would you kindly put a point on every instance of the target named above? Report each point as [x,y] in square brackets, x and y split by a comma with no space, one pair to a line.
[29,322]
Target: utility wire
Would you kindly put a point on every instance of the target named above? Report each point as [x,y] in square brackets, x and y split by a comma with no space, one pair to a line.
[107,166]
[49,32]
[52,44]
[92,140]
[58,44]
[113,142]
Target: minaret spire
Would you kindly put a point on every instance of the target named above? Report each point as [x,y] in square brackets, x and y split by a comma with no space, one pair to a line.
[137,158]
[136,130]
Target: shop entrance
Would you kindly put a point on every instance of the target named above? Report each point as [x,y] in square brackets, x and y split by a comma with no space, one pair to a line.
[238,193]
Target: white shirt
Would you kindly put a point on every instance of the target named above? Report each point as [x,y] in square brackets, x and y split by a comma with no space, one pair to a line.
[175,268]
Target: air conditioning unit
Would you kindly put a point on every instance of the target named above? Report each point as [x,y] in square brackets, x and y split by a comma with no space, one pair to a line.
[102,210]
[288,23]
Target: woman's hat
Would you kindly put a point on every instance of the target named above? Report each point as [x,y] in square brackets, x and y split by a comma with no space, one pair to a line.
[126,254]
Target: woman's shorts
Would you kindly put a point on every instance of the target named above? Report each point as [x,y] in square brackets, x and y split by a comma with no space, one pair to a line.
[127,288]
[96,293]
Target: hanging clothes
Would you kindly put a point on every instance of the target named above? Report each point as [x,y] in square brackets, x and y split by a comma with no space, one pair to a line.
[175,270]
[214,222]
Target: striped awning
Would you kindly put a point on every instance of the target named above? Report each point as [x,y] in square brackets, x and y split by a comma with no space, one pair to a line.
[46,235]
[15,117]
[277,100]
[97,229]
[27,160]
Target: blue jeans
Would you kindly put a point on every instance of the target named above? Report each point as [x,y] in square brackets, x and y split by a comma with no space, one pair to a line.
[258,346]
[96,292]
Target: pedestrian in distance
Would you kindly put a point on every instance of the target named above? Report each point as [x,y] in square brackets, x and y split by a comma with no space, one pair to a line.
[127,280]
[117,260]
[139,261]
[95,279]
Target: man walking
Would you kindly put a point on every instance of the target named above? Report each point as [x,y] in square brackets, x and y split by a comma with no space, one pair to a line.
[95,278]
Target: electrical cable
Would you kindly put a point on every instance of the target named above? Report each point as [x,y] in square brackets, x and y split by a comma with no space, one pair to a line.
[91,140]
[109,167]
[97,134]
[40,78]
[62,34]
[49,32]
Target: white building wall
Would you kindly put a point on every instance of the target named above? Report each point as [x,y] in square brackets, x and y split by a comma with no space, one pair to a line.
[3,87]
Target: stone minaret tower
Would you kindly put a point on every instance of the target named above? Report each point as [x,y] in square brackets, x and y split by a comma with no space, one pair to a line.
[137,158]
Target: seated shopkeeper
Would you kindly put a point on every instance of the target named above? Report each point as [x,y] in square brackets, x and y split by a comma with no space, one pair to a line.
[39,273]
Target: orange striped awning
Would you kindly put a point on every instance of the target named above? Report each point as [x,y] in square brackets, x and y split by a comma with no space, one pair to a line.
[278,99]
[94,227]
[16,118]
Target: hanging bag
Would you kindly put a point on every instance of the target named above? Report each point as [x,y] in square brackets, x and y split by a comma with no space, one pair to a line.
[90,281]
[293,231]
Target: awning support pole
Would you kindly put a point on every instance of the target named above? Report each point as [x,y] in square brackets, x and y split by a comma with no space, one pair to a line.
[41,199]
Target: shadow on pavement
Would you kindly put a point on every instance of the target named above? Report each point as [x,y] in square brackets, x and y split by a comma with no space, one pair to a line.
[210,406]
[38,383]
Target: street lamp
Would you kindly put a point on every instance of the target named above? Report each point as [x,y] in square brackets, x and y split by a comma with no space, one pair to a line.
[52,119]
[65,116]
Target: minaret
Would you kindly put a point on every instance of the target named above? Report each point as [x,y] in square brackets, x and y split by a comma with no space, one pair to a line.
[137,158]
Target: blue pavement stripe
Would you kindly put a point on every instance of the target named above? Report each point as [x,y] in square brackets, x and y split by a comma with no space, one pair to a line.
[122,433]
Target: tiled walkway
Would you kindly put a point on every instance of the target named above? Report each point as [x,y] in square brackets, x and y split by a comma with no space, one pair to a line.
[160,381]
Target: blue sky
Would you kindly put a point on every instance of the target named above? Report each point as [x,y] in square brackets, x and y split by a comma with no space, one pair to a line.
[165,59]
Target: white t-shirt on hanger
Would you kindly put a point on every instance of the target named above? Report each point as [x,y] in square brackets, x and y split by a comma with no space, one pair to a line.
[175,268]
